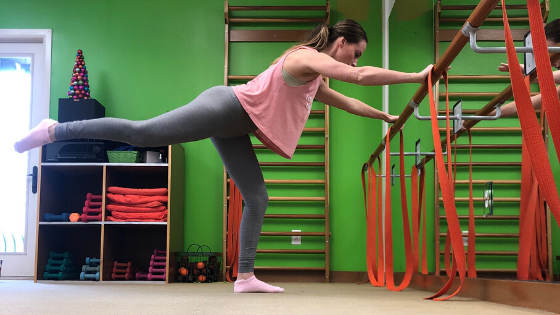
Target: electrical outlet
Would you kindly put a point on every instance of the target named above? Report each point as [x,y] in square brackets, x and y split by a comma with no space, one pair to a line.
[296,240]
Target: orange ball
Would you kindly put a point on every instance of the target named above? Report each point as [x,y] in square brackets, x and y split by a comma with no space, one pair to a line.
[200,265]
[183,271]
[201,278]
[74,217]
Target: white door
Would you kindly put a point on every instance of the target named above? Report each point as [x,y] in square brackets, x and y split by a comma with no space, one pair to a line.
[25,62]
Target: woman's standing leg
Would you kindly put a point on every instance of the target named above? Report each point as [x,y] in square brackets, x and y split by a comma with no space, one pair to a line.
[242,165]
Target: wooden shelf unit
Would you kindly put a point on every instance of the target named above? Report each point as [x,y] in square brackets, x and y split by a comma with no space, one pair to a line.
[488,35]
[285,29]
[63,187]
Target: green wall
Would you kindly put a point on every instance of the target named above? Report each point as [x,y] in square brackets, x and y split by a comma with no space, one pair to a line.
[145,58]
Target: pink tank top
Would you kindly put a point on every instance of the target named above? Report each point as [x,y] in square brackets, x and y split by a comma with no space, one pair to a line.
[278,110]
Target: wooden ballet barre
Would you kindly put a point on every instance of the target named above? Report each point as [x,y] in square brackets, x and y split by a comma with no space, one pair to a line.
[480,13]
[481,199]
[490,129]
[475,94]
[500,99]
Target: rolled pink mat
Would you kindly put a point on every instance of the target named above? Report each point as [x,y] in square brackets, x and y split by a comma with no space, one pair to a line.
[93,204]
[158,263]
[157,270]
[93,197]
[90,211]
[125,265]
[88,218]
[156,277]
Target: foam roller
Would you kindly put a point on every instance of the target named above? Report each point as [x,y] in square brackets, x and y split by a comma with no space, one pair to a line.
[93,197]
[89,276]
[89,269]
[88,218]
[93,261]
[51,217]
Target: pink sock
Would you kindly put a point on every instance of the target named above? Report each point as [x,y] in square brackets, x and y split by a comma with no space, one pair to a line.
[253,285]
[36,137]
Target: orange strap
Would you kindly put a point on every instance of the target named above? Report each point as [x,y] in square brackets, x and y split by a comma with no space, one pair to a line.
[373,226]
[449,204]
[388,220]
[418,202]
[234,221]
[532,135]
[423,203]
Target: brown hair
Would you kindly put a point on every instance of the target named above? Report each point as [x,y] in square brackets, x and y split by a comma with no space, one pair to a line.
[323,35]
[552,31]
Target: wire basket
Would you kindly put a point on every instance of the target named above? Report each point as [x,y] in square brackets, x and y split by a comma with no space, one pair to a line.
[201,265]
[124,156]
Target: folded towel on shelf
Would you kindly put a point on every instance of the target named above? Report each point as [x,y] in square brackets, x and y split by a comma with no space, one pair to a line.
[110,218]
[135,209]
[137,191]
[151,204]
[139,215]
[134,199]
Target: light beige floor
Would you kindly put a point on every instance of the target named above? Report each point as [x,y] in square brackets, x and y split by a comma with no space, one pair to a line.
[51,297]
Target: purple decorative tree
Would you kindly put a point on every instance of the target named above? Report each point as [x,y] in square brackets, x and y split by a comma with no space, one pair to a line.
[79,86]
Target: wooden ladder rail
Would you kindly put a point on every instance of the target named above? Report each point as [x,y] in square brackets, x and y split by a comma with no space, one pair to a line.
[279,35]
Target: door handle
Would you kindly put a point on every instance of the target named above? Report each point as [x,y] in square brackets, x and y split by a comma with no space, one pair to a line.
[33,180]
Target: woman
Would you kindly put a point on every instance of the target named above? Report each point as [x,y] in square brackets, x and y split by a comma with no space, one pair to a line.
[552,34]
[274,106]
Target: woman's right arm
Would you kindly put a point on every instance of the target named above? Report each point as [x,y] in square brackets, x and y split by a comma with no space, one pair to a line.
[328,67]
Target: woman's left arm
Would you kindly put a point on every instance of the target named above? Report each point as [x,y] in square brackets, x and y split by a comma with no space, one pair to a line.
[353,106]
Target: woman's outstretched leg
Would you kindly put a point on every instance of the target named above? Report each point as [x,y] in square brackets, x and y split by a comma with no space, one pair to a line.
[215,112]
[241,163]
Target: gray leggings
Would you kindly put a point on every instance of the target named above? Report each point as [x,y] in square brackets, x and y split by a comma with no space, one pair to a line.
[215,114]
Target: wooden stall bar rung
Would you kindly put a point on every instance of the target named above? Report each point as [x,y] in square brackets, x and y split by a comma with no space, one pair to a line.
[495,253]
[472,7]
[292,233]
[277,8]
[494,164]
[490,129]
[471,112]
[266,35]
[477,77]
[292,164]
[294,216]
[492,19]
[487,146]
[490,235]
[490,270]
[488,35]
[295,198]
[241,77]
[496,199]
[291,251]
[494,182]
[265,268]
[475,94]
[276,20]
[293,181]
[298,147]
[492,217]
